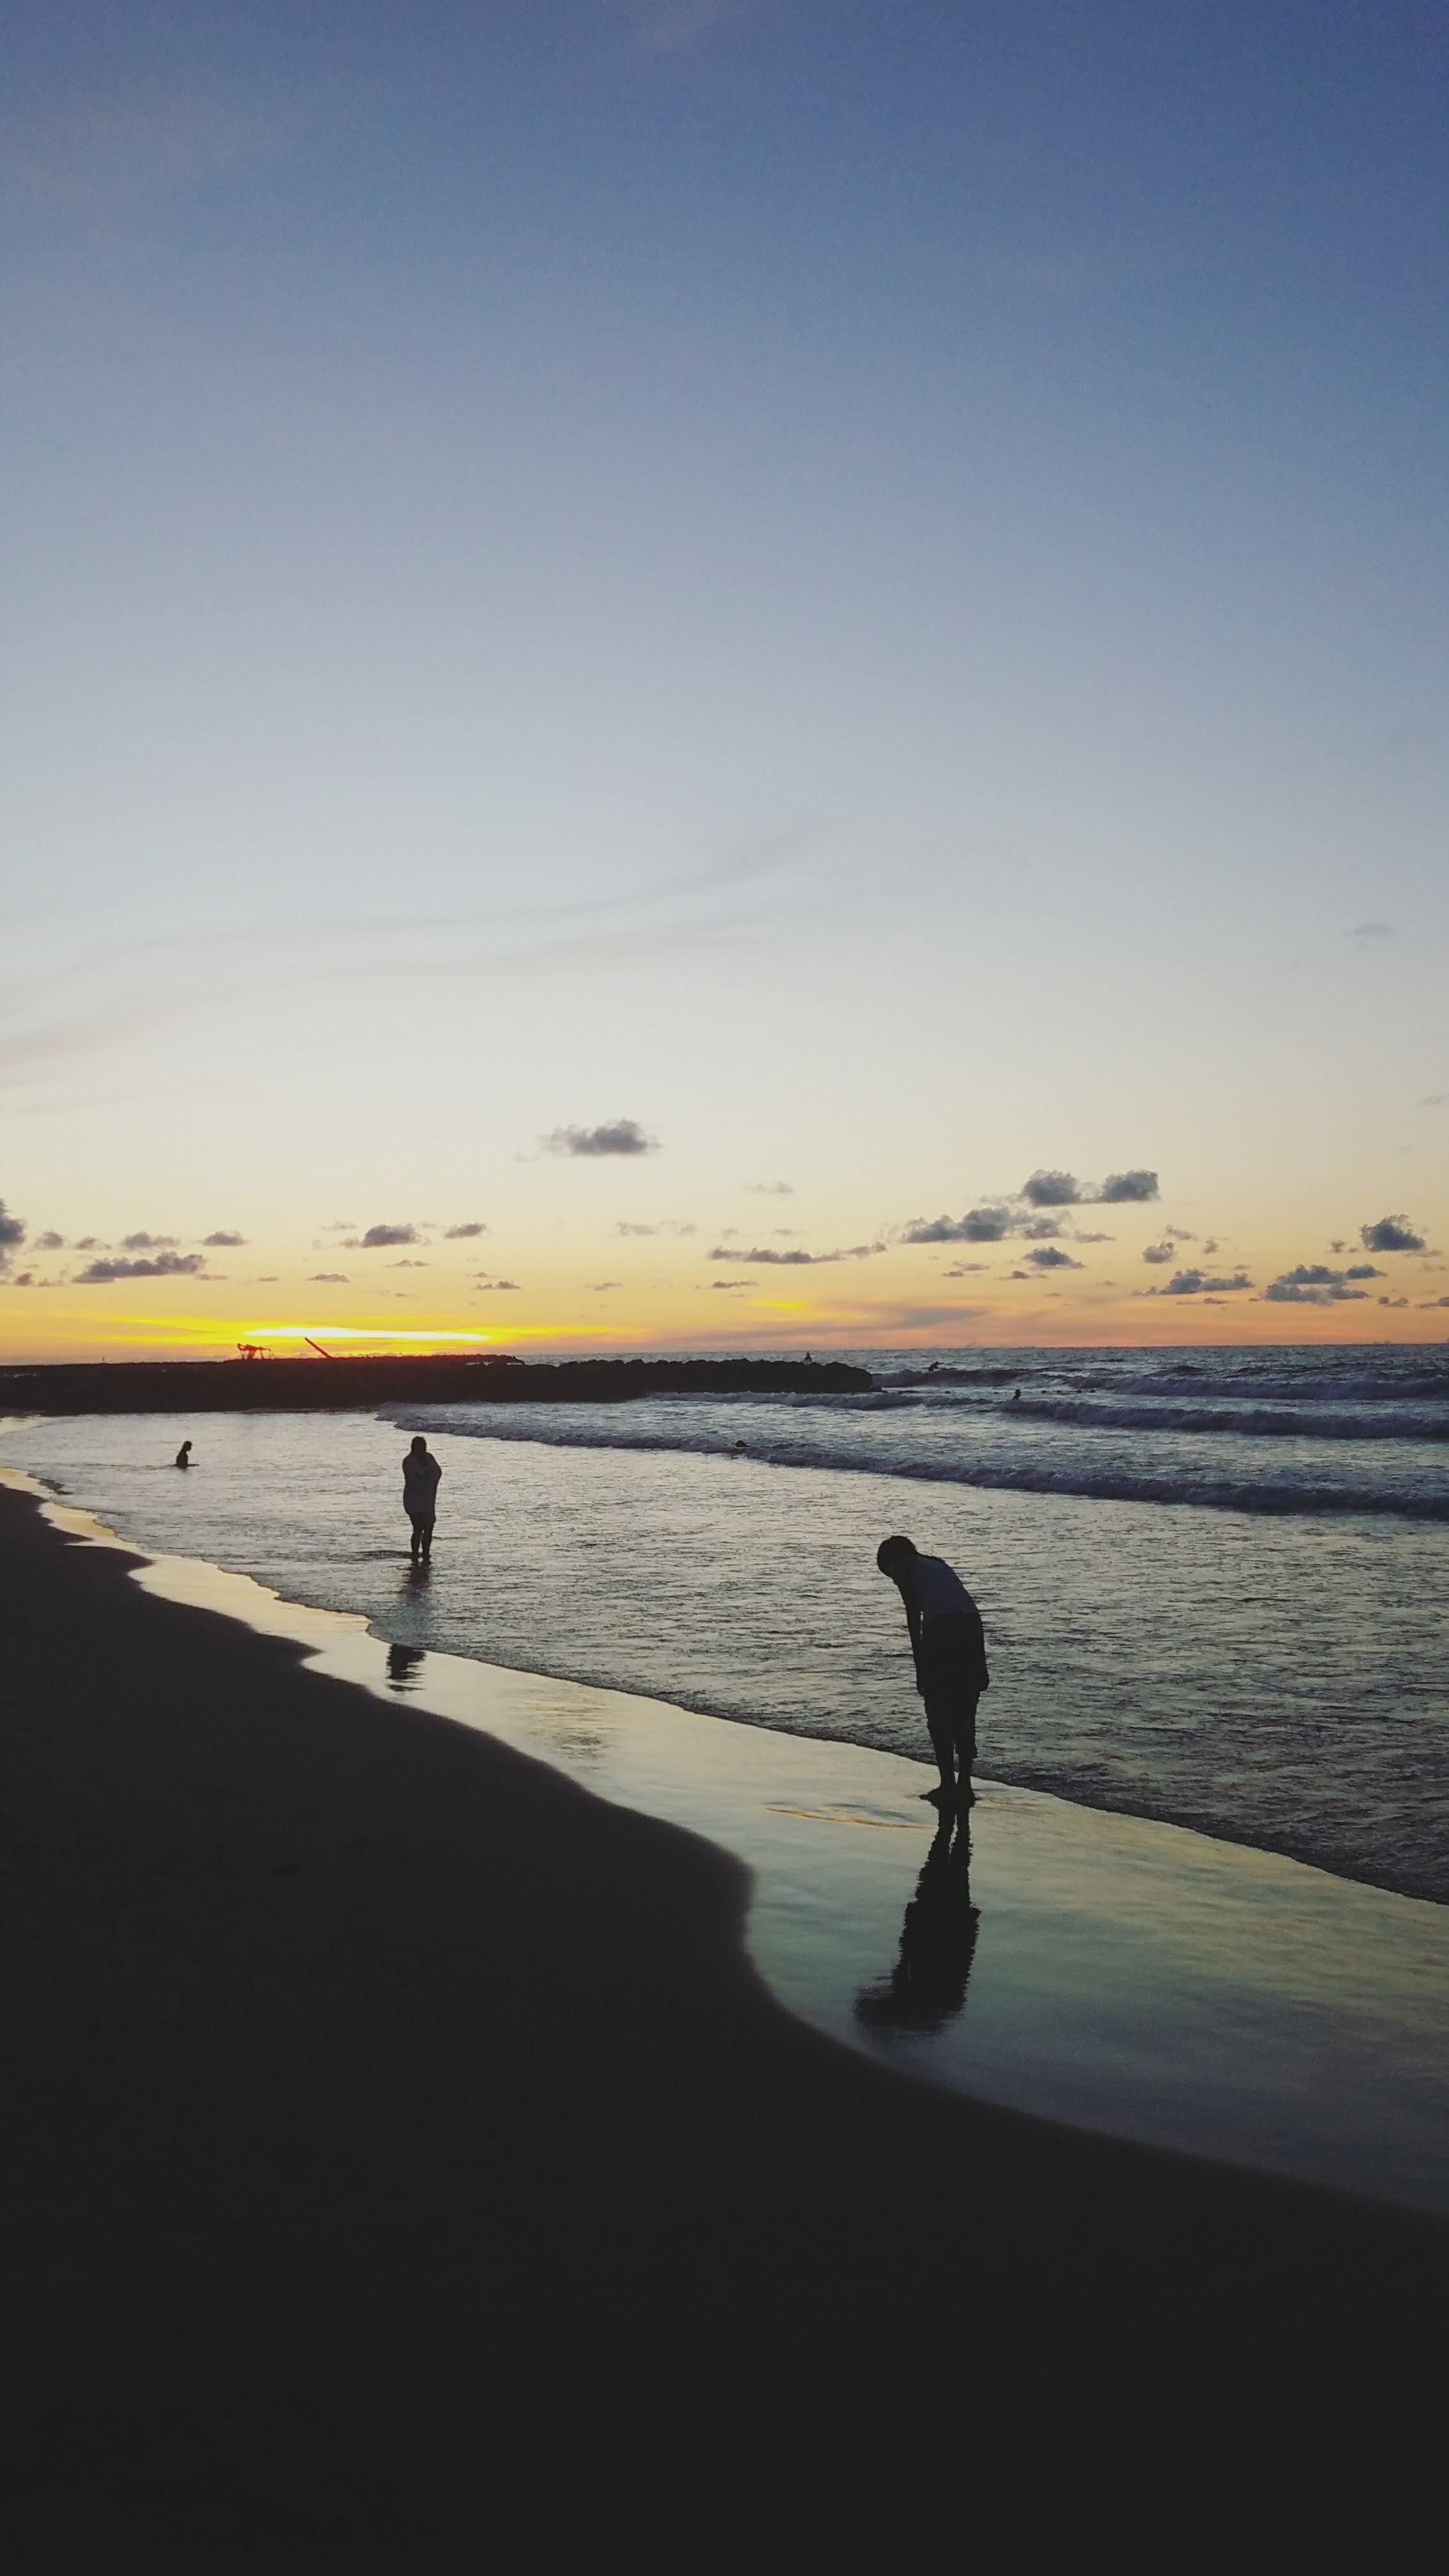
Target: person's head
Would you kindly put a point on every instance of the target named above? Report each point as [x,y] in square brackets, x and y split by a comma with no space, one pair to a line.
[895,1557]
[419,1445]
[185,1444]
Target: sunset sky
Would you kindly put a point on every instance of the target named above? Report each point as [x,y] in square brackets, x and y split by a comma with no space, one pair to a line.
[724,672]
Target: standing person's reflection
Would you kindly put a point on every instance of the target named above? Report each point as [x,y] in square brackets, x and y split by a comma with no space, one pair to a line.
[402,1666]
[927,1986]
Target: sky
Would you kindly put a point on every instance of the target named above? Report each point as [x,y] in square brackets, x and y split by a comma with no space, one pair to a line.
[723,673]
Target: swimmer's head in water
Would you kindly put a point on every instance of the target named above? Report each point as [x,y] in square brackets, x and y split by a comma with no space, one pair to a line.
[894,1555]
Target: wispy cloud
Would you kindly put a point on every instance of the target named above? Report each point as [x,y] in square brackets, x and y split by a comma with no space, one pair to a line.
[978,1225]
[381,1238]
[673,26]
[768,1257]
[1198,1283]
[616,1136]
[1371,930]
[166,1265]
[223,1242]
[464,1233]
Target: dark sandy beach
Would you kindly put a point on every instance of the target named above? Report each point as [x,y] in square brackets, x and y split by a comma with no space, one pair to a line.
[404,2170]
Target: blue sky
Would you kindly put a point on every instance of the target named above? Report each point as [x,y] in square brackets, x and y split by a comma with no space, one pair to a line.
[862,585]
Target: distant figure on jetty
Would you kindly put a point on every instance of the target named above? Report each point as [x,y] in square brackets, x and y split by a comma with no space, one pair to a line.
[421,1477]
[950,1653]
[183,1454]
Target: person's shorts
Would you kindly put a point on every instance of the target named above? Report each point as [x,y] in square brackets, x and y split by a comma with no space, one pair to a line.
[950,1679]
[422,1520]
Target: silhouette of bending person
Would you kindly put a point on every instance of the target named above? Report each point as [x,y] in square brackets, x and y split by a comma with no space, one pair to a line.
[950,1653]
[183,1454]
[421,1476]
[927,1986]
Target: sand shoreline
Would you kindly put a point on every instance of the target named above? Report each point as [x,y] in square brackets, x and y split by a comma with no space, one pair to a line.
[406,2168]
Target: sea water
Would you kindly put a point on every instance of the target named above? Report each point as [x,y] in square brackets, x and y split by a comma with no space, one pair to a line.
[1213,1582]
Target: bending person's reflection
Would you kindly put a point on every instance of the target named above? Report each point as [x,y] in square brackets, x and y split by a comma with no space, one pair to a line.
[402,1666]
[927,1986]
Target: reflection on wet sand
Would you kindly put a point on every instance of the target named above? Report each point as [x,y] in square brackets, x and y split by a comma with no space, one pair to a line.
[404,1664]
[927,1986]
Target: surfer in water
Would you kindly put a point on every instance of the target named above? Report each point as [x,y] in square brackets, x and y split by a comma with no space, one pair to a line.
[183,1454]
[950,1652]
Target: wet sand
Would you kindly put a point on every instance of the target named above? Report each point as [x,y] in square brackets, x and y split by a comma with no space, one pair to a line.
[405,2170]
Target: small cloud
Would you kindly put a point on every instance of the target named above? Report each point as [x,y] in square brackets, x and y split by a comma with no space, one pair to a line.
[1391,1234]
[147,1242]
[1435,1100]
[1403,1301]
[1159,1254]
[636,1229]
[45,1242]
[464,1233]
[167,1265]
[379,1237]
[1018,1274]
[1196,1283]
[1051,1189]
[23,1279]
[1121,1187]
[1312,1283]
[978,1225]
[410,1265]
[1423,1301]
[1094,1238]
[771,1189]
[223,1242]
[794,1260]
[12,1231]
[495,1286]
[341,1225]
[965,1269]
[617,1136]
[1211,1245]
[601,1287]
[731,1283]
[1372,930]
[328,1279]
[1041,1228]
[89,1243]
[1048,1257]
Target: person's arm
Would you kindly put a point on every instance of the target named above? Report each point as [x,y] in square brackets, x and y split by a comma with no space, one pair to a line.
[913,1623]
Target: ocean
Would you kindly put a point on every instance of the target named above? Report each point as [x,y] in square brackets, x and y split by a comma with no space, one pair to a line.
[1213,1582]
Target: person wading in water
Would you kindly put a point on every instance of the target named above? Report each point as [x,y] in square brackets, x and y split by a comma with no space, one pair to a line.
[421,1478]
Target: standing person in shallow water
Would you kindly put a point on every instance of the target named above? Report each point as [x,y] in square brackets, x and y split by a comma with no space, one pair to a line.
[421,1477]
[950,1653]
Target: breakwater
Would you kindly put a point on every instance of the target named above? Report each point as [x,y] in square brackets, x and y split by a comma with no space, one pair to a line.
[318,1385]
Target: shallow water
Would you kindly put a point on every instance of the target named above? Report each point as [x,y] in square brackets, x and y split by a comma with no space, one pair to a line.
[1124,1976]
[1278,1677]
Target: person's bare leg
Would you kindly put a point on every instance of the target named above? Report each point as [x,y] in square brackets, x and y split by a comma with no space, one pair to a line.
[945,1753]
